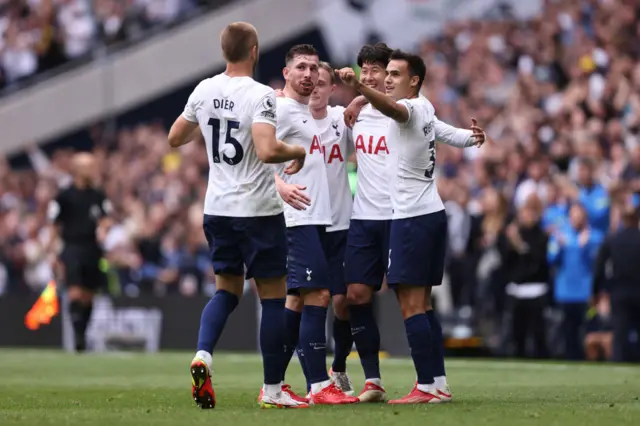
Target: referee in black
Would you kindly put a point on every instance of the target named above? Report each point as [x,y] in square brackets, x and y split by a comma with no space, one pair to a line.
[621,251]
[80,216]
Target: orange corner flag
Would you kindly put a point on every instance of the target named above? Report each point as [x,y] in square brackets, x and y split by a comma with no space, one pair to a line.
[45,308]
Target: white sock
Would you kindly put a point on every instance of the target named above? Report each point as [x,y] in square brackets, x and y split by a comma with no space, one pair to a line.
[440,382]
[427,388]
[376,381]
[272,391]
[206,357]
[317,387]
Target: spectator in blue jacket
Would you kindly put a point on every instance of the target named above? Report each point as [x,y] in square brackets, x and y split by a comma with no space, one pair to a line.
[572,251]
[556,213]
[593,196]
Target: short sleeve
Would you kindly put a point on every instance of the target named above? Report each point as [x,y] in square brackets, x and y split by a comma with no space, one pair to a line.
[191,108]
[264,111]
[410,109]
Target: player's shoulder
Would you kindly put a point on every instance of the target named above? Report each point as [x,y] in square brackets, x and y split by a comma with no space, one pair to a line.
[336,111]
[207,83]
[256,89]
[423,103]
[420,107]
[286,105]
[370,113]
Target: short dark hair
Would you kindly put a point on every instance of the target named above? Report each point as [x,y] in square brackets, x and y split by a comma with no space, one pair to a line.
[300,50]
[328,68]
[378,53]
[237,40]
[415,64]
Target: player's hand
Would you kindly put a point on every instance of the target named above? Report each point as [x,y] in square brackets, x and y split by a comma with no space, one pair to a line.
[298,163]
[478,133]
[279,93]
[294,167]
[353,110]
[292,194]
[348,77]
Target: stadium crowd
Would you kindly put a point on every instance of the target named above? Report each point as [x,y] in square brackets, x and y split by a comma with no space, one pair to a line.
[559,97]
[40,35]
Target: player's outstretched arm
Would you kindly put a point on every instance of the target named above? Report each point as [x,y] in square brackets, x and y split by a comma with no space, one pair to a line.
[270,149]
[182,132]
[383,103]
[460,138]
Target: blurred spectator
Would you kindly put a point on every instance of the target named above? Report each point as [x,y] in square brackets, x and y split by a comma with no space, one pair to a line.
[623,286]
[78,27]
[523,249]
[39,35]
[556,212]
[572,252]
[460,267]
[535,184]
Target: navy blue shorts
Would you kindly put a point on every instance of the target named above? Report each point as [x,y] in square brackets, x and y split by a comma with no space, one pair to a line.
[307,261]
[417,248]
[367,252]
[335,245]
[259,243]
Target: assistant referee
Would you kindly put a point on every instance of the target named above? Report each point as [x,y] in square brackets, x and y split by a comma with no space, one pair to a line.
[80,216]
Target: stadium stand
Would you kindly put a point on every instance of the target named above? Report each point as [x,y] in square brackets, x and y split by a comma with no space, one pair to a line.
[549,91]
[42,36]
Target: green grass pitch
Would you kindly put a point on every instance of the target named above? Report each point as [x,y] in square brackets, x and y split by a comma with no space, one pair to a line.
[54,388]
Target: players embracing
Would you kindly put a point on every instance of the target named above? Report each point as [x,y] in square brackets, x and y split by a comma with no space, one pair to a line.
[315,243]
[407,235]
[400,232]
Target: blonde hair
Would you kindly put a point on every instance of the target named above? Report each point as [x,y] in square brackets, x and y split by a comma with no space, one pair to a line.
[328,68]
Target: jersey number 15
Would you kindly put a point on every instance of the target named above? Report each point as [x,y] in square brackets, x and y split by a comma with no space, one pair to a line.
[228,139]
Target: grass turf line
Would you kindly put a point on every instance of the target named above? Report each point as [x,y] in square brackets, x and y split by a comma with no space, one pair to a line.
[54,388]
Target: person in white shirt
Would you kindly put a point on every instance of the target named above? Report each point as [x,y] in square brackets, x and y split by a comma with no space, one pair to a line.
[419,248]
[243,217]
[337,146]
[308,215]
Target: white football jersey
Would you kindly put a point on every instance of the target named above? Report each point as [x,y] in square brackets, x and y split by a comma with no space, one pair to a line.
[412,161]
[336,147]
[296,126]
[372,201]
[240,185]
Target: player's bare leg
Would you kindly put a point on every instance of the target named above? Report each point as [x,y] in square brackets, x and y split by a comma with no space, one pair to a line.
[343,344]
[313,341]
[439,373]
[413,307]
[367,339]
[272,292]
